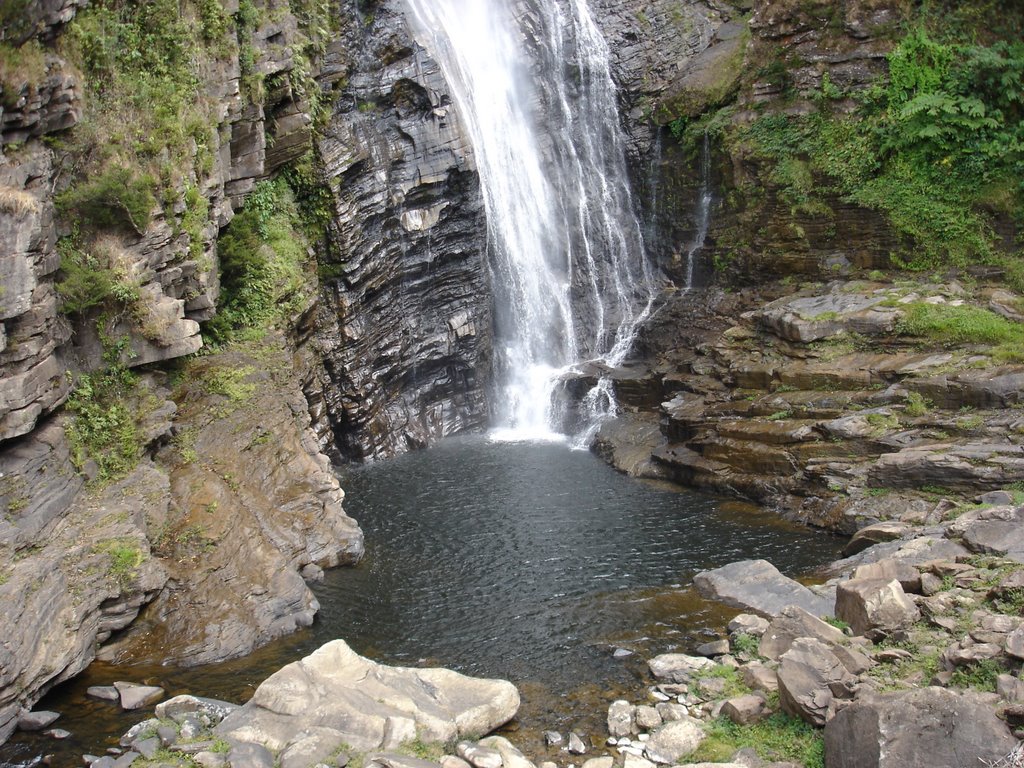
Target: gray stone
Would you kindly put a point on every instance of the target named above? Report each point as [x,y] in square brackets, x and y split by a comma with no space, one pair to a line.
[889,568]
[677,667]
[674,741]
[599,762]
[794,623]
[745,710]
[103,692]
[877,533]
[757,586]
[247,755]
[36,721]
[215,709]
[758,677]
[998,531]
[147,747]
[647,718]
[576,745]
[135,696]
[635,761]
[748,624]
[931,727]
[962,656]
[1015,643]
[452,761]
[57,733]
[554,738]
[1010,688]
[874,606]
[477,756]
[336,686]
[671,711]
[714,648]
[811,678]
[126,759]
[621,719]
[309,746]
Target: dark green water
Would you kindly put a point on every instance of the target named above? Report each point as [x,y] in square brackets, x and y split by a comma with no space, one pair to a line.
[531,562]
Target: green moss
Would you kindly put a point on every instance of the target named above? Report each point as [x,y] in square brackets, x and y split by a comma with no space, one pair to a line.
[777,738]
[125,558]
[963,324]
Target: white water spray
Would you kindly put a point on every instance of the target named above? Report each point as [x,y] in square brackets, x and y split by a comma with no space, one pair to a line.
[571,279]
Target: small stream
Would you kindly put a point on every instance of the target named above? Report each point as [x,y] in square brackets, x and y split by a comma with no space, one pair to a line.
[527,561]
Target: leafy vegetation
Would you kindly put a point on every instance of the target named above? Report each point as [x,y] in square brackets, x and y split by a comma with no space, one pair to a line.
[777,738]
[263,259]
[103,426]
[938,149]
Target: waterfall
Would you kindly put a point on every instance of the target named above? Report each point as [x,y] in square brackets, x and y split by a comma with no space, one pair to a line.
[703,213]
[568,269]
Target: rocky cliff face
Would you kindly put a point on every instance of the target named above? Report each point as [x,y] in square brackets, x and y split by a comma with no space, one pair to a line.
[210,519]
[405,324]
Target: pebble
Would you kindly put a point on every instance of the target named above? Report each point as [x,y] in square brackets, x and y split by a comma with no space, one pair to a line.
[659,696]
[552,738]
[103,692]
[576,745]
[621,653]
[57,733]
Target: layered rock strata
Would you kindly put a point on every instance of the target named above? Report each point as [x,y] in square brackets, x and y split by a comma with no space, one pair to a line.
[405,327]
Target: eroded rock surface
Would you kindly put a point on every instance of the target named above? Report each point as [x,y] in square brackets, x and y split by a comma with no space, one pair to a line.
[366,705]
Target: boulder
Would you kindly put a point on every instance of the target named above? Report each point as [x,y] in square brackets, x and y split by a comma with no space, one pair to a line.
[758,586]
[878,533]
[889,568]
[621,719]
[479,756]
[36,721]
[677,667]
[1015,643]
[811,678]
[748,624]
[135,696]
[997,531]
[714,648]
[367,703]
[758,677]
[647,718]
[215,709]
[745,710]
[932,727]
[874,606]
[674,741]
[794,623]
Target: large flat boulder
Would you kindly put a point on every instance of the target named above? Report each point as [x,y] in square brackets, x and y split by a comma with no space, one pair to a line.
[367,706]
[875,606]
[932,727]
[759,587]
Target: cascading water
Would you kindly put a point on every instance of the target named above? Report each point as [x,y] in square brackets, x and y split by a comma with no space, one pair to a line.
[570,276]
[703,217]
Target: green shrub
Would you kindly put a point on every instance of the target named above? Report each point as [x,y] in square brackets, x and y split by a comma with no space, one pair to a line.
[102,427]
[119,198]
[262,256]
